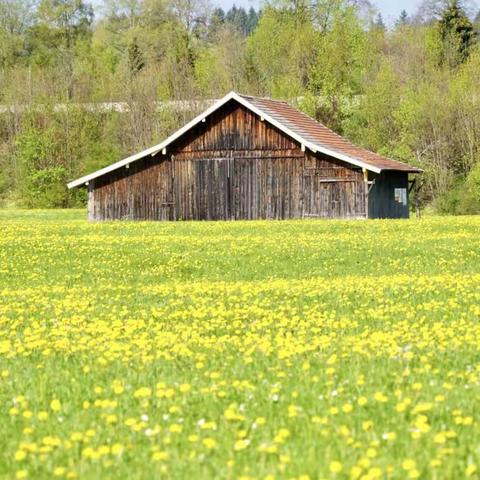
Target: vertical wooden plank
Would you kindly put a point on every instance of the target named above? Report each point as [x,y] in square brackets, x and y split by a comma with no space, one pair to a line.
[91,201]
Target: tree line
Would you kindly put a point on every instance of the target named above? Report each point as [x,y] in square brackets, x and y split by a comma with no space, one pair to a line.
[409,91]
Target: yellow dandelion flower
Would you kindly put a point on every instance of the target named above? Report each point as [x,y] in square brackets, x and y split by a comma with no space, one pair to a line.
[335,466]
[408,464]
[143,392]
[210,443]
[241,444]
[471,470]
[160,456]
[20,455]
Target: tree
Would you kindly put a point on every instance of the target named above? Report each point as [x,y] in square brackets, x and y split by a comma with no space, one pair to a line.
[344,53]
[238,18]
[430,11]
[403,19]
[456,35]
[218,16]
[217,20]
[68,19]
[136,60]
[372,123]
[62,24]
[193,14]
[15,19]
[379,24]
[252,20]
[281,53]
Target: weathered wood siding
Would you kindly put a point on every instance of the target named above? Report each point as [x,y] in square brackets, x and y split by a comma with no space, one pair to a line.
[232,166]
[141,192]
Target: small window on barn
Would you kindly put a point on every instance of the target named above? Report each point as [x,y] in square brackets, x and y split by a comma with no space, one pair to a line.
[401,196]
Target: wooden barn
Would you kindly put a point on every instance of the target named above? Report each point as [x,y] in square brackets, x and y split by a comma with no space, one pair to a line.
[250,158]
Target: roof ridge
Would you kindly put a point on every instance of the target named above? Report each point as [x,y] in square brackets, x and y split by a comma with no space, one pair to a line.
[262,98]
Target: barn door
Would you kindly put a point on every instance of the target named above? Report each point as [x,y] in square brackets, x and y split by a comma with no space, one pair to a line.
[165,197]
[245,188]
[329,198]
[267,187]
[211,179]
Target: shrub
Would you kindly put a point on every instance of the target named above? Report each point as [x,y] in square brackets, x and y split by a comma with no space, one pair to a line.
[463,198]
[45,188]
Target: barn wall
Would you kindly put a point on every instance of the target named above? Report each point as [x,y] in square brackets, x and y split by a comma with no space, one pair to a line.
[141,192]
[232,166]
[382,202]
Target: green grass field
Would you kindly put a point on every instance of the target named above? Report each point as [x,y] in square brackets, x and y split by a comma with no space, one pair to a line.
[267,350]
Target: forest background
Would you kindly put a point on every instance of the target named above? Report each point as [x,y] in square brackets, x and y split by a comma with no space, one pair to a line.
[82,85]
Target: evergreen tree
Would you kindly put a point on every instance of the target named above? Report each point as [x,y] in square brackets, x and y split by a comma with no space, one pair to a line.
[456,33]
[379,24]
[218,16]
[241,21]
[231,14]
[217,20]
[403,19]
[251,21]
[238,18]
[135,58]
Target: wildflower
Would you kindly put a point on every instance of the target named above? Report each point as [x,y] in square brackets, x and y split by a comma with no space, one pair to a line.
[210,443]
[117,449]
[143,392]
[20,455]
[336,466]
[42,416]
[470,470]
[362,401]
[380,397]
[241,444]
[408,464]
[160,456]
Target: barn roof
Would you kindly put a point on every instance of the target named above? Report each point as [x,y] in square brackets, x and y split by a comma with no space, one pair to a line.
[297,125]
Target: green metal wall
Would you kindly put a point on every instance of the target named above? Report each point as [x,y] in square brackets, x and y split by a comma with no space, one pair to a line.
[382,202]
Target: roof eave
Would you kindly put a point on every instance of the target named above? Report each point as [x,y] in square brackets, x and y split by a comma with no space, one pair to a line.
[406,170]
[152,150]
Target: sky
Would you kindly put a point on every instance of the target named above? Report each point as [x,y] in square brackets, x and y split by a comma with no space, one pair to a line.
[391,9]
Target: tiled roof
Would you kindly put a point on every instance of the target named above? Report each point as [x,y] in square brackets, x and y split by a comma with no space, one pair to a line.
[318,134]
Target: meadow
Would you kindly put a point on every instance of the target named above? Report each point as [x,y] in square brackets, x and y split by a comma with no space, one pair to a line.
[248,350]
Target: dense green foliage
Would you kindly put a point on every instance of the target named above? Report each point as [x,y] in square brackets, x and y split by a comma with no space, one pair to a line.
[80,88]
